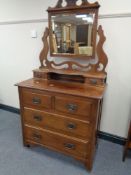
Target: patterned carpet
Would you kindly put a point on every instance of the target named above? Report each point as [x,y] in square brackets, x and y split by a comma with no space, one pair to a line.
[18,160]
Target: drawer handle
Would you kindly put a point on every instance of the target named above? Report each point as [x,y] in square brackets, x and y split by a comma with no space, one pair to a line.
[37,118]
[93,81]
[71,126]
[69,145]
[36,100]
[36,137]
[71,107]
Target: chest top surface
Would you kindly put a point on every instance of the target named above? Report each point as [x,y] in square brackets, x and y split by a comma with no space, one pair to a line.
[77,89]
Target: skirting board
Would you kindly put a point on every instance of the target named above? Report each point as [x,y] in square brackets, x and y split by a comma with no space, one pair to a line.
[10,108]
[101,134]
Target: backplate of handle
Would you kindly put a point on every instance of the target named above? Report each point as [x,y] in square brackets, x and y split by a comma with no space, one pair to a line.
[36,100]
[71,126]
[37,118]
[71,107]
[36,136]
[69,145]
[93,81]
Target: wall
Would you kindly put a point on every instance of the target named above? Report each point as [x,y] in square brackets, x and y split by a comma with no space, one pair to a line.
[19,54]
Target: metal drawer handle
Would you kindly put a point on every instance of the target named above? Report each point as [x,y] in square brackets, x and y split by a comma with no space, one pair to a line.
[93,81]
[71,107]
[36,136]
[37,118]
[69,145]
[36,100]
[71,126]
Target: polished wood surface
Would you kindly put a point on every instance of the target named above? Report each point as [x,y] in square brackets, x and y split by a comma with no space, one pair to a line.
[84,90]
[73,4]
[128,143]
[45,50]
[97,75]
[73,106]
[48,116]
[65,143]
[88,67]
[65,124]
[35,99]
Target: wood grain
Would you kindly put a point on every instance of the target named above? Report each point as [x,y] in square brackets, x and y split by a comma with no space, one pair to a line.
[60,123]
[76,89]
[65,143]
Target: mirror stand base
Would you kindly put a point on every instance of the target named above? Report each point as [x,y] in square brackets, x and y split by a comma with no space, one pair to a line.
[60,75]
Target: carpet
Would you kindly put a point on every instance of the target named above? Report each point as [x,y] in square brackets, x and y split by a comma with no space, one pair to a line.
[18,160]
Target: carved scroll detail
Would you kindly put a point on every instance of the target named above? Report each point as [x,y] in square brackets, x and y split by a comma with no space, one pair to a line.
[73,3]
[102,57]
[59,4]
[70,65]
[45,50]
[94,68]
[84,2]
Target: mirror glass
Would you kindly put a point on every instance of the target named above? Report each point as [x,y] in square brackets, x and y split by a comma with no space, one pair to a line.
[72,34]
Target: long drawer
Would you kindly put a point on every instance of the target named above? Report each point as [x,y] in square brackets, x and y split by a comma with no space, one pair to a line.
[69,145]
[58,123]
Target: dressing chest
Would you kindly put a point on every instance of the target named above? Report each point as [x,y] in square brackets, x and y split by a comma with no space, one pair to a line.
[61,105]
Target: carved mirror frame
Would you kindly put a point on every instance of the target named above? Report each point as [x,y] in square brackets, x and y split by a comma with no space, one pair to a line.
[95,69]
[72,8]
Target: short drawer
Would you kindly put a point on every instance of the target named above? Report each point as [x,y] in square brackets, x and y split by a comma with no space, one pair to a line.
[59,142]
[58,123]
[37,100]
[73,106]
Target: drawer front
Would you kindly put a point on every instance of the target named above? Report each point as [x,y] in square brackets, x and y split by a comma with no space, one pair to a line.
[58,123]
[73,106]
[59,142]
[31,99]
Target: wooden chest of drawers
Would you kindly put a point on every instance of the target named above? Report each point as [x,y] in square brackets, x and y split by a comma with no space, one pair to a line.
[61,117]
